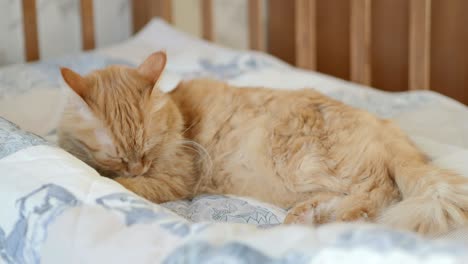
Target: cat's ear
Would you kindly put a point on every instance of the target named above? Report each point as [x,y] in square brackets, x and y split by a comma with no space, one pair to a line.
[153,66]
[75,81]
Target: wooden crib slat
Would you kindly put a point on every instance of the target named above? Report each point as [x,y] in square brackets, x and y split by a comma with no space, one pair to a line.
[360,42]
[144,10]
[256,30]
[166,10]
[306,32]
[140,14]
[207,19]
[87,24]
[419,44]
[160,8]
[31,40]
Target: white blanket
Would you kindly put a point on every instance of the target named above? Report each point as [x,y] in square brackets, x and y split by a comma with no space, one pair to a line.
[56,209]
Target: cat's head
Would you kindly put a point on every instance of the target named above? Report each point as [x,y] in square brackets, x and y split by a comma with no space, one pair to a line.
[117,120]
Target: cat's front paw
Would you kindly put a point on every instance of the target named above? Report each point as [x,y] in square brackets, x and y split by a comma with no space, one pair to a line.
[325,208]
[312,211]
[303,214]
[125,182]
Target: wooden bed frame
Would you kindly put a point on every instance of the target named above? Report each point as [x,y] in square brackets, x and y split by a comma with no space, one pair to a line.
[393,45]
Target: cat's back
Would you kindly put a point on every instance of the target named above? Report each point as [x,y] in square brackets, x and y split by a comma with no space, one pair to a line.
[253,134]
[215,110]
[209,93]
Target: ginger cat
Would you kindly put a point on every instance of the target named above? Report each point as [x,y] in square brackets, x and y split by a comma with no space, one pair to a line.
[299,149]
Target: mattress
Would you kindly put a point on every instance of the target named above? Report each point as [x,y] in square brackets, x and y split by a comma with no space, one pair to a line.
[55,208]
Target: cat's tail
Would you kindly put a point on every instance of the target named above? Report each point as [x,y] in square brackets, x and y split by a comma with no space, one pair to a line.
[434,200]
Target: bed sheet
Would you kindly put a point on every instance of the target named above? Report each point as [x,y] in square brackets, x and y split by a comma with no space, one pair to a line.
[48,195]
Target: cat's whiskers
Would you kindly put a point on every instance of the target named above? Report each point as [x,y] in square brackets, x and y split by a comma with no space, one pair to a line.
[202,152]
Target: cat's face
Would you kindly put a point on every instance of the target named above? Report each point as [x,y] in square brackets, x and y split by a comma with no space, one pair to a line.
[117,120]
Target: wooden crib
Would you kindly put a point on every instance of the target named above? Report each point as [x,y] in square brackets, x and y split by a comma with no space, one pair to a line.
[393,45]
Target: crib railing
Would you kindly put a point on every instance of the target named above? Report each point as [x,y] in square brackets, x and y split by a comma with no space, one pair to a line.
[31,40]
[142,12]
[305,28]
[420,42]
[87,24]
[360,40]
[304,43]
[30,27]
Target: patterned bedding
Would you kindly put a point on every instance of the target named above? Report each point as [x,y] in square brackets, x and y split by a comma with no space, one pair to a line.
[56,209]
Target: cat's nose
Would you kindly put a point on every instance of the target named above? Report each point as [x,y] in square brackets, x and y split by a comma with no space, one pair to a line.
[136,168]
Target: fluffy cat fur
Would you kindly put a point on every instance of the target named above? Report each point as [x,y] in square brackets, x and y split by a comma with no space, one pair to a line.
[299,149]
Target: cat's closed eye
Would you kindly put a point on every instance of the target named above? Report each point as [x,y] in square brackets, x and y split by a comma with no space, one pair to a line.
[127,167]
[105,158]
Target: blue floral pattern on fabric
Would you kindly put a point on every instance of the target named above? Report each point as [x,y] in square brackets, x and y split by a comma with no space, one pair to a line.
[134,209]
[39,208]
[205,253]
[138,211]
[13,139]
[36,211]
[21,78]
[220,208]
[226,69]
[381,240]
[383,105]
